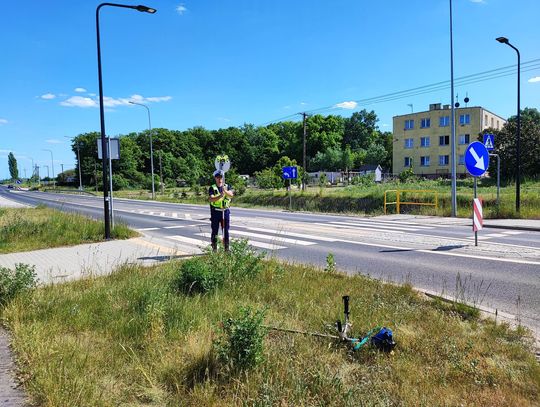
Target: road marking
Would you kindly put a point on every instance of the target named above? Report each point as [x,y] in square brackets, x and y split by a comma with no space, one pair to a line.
[174,227]
[174,215]
[512,232]
[375,225]
[261,245]
[162,214]
[278,239]
[358,228]
[146,229]
[437,225]
[188,216]
[189,240]
[287,233]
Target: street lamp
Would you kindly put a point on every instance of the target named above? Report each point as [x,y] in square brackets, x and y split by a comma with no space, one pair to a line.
[102,113]
[504,40]
[78,145]
[52,163]
[151,149]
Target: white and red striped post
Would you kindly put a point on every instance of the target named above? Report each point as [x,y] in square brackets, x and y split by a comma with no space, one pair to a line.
[477,214]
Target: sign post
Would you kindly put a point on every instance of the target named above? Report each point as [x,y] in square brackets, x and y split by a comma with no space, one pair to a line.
[477,162]
[112,153]
[289,173]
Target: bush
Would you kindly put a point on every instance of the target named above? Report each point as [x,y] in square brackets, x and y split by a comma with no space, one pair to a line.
[13,282]
[240,345]
[198,276]
[243,261]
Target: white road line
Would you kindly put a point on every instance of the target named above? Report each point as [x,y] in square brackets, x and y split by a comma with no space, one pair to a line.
[391,222]
[268,246]
[146,229]
[189,240]
[162,214]
[495,235]
[512,232]
[278,239]
[188,216]
[484,237]
[375,225]
[174,227]
[174,215]
[287,233]
[358,228]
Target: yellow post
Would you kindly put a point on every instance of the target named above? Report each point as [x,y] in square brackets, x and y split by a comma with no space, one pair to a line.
[397,201]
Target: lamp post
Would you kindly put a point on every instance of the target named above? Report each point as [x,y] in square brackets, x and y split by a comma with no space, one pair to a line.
[52,163]
[151,149]
[453,119]
[102,113]
[504,40]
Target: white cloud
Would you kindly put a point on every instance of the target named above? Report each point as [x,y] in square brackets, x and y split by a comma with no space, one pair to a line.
[181,9]
[79,101]
[303,103]
[534,80]
[478,1]
[159,99]
[3,121]
[346,105]
[92,94]
[53,141]
[80,90]
[48,96]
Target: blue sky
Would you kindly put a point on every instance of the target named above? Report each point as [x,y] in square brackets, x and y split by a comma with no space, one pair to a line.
[224,63]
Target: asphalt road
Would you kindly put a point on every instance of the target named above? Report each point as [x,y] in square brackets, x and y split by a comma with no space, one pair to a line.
[434,254]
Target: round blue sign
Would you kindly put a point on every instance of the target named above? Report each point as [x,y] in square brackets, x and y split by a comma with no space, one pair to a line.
[476,159]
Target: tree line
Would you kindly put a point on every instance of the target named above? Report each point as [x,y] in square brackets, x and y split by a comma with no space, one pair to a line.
[187,157]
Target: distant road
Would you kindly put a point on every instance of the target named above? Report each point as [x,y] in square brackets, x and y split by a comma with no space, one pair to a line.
[502,273]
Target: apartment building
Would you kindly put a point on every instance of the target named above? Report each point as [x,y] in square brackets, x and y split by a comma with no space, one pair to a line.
[422,140]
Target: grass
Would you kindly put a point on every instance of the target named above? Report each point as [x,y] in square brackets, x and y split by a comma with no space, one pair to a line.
[23,229]
[370,199]
[131,339]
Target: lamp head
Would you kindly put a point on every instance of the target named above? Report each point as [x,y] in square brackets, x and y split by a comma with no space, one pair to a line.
[145,9]
[502,40]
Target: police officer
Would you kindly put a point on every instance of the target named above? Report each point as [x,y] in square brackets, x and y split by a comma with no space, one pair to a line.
[220,199]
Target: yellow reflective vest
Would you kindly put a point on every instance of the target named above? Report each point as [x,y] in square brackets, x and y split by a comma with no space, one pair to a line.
[222,203]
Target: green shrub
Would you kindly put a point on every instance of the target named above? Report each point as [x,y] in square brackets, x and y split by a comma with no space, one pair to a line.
[240,345]
[13,282]
[198,276]
[243,260]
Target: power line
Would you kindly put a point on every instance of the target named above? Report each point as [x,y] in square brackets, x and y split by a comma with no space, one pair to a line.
[434,87]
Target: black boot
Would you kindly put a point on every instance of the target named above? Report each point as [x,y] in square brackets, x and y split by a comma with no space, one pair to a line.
[226,244]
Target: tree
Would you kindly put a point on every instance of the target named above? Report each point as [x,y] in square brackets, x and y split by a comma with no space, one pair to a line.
[359,129]
[505,143]
[12,163]
[376,154]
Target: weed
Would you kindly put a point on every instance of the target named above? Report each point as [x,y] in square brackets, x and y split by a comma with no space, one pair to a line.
[198,276]
[240,345]
[330,264]
[15,281]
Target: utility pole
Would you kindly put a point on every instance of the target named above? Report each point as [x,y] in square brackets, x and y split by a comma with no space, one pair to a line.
[160,173]
[304,116]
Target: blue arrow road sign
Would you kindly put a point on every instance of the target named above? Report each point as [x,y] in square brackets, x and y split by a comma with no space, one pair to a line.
[476,159]
[489,141]
[18,181]
[290,172]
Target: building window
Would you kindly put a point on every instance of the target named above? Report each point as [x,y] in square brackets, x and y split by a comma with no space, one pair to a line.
[424,141]
[464,138]
[425,123]
[492,126]
[485,120]
[443,160]
[462,159]
[424,161]
[444,140]
[464,119]
[409,124]
[444,121]
[408,162]
[497,124]
[409,143]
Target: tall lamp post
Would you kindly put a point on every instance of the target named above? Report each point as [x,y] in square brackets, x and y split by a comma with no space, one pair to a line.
[102,113]
[151,149]
[504,40]
[52,163]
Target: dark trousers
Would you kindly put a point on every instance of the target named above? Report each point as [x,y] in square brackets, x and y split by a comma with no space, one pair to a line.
[216,218]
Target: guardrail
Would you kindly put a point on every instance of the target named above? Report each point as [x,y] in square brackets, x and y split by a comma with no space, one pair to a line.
[399,202]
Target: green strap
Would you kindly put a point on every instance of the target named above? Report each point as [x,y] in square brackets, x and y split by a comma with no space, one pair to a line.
[358,343]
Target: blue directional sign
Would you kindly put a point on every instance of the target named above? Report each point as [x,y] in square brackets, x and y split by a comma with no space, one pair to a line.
[290,172]
[489,141]
[476,159]
[18,181]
